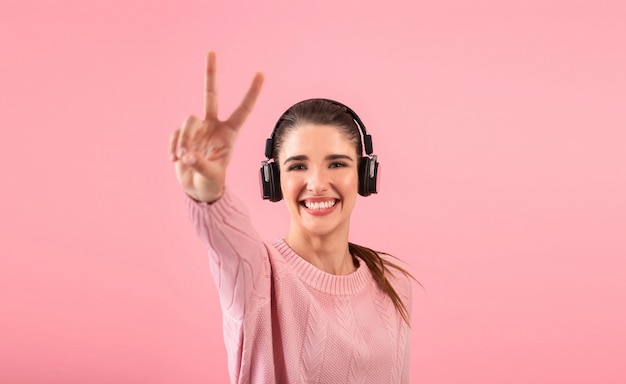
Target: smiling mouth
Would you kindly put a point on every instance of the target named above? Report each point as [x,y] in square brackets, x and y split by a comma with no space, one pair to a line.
[314,205]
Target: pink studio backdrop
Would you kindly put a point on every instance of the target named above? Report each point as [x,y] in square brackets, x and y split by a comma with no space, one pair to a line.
[499,126]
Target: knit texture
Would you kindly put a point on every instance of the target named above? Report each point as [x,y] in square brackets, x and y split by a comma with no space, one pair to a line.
[285,321]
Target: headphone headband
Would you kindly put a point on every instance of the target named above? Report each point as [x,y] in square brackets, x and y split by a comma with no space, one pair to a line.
[367,139]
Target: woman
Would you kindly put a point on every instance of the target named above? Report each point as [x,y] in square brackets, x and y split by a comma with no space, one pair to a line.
[311,307]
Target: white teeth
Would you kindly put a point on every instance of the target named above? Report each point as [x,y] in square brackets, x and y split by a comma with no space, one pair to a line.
[319,205]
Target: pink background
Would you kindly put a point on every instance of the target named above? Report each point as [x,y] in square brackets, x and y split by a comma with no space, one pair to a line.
[500,127]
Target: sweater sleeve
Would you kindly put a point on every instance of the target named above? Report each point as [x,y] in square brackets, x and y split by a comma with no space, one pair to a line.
[239,259]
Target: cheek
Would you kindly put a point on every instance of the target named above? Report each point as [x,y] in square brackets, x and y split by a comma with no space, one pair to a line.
[349,181]
[354,176]
[290,185]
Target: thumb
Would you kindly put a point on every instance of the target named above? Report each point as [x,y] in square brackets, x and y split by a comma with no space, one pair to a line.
[197,163]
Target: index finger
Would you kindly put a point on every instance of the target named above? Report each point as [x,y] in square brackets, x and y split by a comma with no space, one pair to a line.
[210,88]
[243,110]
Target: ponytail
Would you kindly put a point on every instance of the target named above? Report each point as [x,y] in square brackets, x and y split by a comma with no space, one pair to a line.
[379,268]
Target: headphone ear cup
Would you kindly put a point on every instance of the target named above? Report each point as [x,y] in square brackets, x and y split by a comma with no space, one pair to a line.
[368,176]
[270,182]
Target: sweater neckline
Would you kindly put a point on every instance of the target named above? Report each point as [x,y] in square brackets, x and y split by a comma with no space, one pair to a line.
[320,280]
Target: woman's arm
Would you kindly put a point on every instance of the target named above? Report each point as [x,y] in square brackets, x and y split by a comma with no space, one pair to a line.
[239,259]
[201,149]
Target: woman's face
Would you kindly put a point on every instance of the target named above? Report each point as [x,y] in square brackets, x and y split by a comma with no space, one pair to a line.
[319,178]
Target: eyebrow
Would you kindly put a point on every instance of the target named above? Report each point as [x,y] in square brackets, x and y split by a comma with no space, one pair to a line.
[327,158]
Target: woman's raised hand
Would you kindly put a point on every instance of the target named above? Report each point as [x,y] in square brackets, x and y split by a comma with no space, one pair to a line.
[201,148]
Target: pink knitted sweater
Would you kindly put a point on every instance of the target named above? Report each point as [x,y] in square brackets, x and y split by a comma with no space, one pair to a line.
[285,321]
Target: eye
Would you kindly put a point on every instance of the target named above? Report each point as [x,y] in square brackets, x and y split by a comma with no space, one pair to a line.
[338,164]
[296,167]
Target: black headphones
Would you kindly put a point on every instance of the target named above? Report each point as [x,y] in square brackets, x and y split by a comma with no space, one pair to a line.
[368,164]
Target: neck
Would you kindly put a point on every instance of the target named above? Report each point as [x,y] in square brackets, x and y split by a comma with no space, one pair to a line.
[328,253]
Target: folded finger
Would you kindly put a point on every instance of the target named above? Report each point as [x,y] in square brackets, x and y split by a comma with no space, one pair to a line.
[204,167]
[173,144]
[185,135]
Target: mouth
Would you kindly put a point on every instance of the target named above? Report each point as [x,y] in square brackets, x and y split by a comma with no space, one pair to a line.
[319,205]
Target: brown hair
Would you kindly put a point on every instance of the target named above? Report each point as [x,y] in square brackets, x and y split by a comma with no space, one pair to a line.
[326,112]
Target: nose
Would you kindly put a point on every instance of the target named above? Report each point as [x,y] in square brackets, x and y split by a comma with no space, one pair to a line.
[317,181]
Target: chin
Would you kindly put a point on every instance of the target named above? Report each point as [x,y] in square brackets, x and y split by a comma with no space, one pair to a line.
[323,229]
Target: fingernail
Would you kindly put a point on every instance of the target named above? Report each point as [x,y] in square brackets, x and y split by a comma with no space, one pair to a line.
[181,151]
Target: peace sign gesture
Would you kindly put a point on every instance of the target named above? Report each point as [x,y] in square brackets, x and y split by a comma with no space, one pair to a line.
[201,148]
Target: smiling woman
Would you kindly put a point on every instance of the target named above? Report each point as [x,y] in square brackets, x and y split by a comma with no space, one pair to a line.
[321,140]
[311,307]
